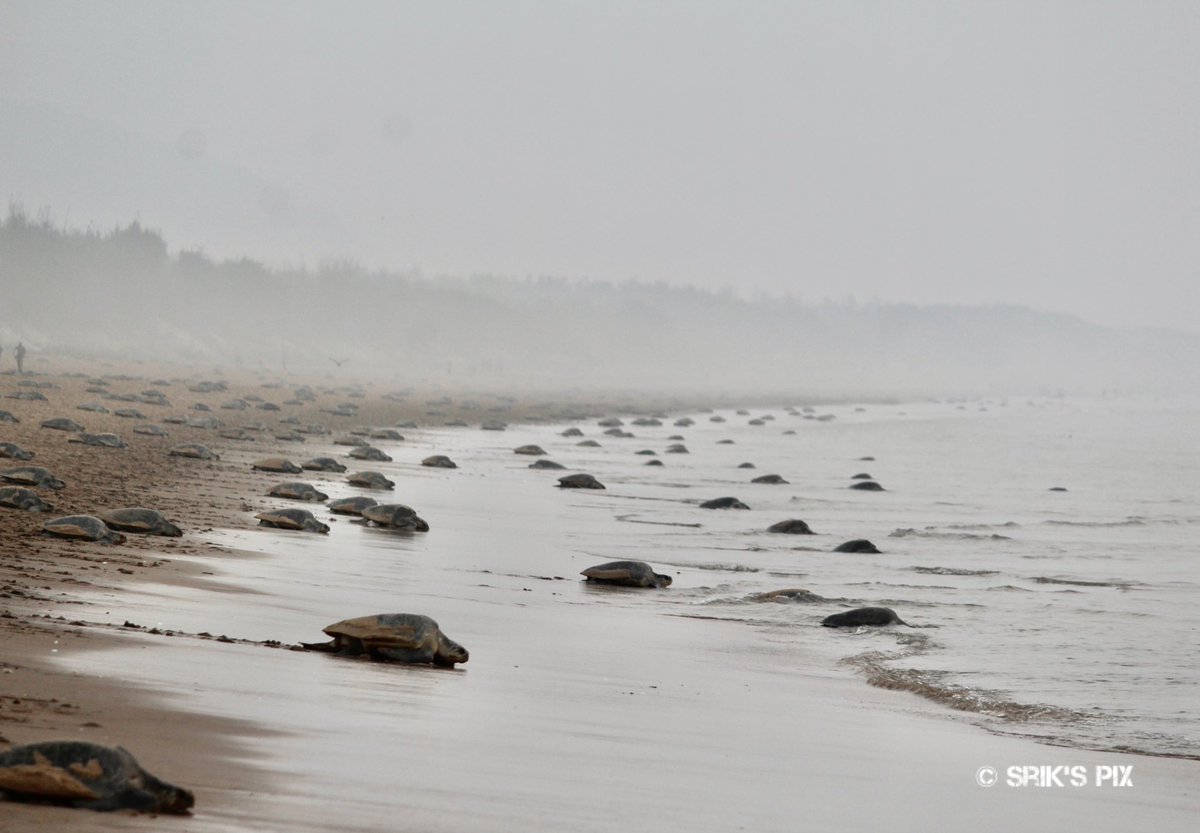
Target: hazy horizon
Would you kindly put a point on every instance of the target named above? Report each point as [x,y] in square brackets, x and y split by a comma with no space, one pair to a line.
[1037,154]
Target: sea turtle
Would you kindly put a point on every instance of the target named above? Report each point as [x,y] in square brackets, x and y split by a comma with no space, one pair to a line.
[677,448]
[140,520]
[494,425]
[350,505]
[723,503]
[28,396]
[546,464]
[14,452]
[322,464]
[290,437]
[82,527]
[129,413]
[297,490]
[92,407]
[276,464]
[588,444]
[18,497]
[399,637]
[533,450]
[862,475]
[867,486]
[300,519]
[771,479]
[369,480]
[32,476]
[619,432]
[627,573]
[579,481]
[857,545]
[235,405]
[610,422]
[863,616]
[684,422]
[648,422]
[746,466]
[103,440]
[150,430]
[202,422]
[395,516]
[793,526]
[655,462]
[439,461]
[8,416]
[647,452]
[195,451]
[789,594]
[87,775]
[351,440]
[369,452]
[386,434]
[572,432]
[63,424]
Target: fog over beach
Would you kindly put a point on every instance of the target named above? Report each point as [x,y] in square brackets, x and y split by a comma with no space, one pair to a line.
[870,329]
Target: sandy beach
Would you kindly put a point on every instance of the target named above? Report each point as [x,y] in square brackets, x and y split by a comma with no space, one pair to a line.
[678,727]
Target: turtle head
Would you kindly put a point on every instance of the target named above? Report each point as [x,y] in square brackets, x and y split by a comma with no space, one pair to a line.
[167,797]
[450,652]
[662,580]
[170,530]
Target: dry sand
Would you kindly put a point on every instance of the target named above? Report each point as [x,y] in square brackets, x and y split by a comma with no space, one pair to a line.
[879,758]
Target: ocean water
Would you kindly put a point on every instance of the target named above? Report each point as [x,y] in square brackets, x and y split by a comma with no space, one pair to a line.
[1068,616]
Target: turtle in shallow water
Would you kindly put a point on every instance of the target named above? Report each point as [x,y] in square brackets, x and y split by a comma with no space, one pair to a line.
[32,476]
[439,461]
[141,520]
[863,616]
[87,775]
[399,637]
[63,424]
[299,519]
[395,516]
[857,545]
[83,528]
[654,463]
[18,497]
[792,526]
[788,594]
[588,444]
[322,464]
[14,452]
[532,450]
[195,451]
[723,503]
[102,440]
[579,481]
[627,574]
[369,480]
[350,505]
[297,490]
[276,464]
[369,452]
[867,486]
[546,464]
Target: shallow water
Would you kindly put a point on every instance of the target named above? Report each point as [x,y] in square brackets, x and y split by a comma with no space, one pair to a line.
[1063,615]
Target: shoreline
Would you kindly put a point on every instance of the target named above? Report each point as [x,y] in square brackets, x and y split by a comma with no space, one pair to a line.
[199,749]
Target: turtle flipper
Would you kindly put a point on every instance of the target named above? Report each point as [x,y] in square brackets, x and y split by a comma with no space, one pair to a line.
[403,654]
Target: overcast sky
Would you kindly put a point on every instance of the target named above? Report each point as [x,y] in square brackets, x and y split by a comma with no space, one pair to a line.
[1041,153]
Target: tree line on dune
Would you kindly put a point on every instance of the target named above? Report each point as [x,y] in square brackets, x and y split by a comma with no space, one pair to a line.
[122,293]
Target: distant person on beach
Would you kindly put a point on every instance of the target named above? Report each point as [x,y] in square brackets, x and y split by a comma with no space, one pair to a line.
[20,354]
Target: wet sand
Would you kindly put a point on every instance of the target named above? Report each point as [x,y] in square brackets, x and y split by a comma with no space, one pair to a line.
[680,727]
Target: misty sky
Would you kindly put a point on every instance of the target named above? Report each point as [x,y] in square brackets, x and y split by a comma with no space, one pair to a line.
[1041,153]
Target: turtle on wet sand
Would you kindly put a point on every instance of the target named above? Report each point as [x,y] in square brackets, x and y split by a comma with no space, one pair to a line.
[87,775]
[857,545]
[195,451]
[534,450]
[439,461]
[276,464]
[792,526]
[14,452]
[772,479]
[395,516]
[350,505]
[399,637]
[546,464]
[63,424]
[150,430]
[723,503]
[369,452]
[31,476]
[369,480]
[18,497]
[322,464]
[579,481]
[102,440]
[299,519]
[140,520]
[83,528]
[297,490]
[627,574]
